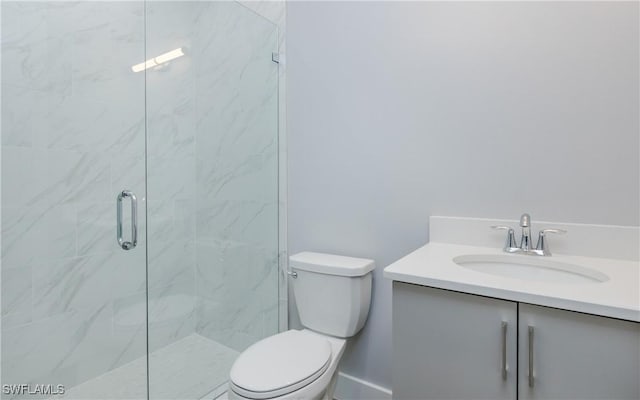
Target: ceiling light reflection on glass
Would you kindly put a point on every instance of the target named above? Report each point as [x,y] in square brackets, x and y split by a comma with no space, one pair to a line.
[161,59]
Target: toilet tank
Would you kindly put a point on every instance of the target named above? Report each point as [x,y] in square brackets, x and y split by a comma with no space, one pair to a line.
[333,293]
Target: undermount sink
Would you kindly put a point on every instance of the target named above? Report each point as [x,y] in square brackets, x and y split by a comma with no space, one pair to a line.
[530,268]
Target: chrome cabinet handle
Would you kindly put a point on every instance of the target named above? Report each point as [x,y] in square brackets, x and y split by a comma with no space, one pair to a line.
[531,381]
[504,350]
[134,220]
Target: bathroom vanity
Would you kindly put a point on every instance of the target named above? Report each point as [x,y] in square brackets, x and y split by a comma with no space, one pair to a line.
[471,322]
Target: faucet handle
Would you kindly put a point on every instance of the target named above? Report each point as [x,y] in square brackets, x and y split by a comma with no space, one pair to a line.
[553,230]
[510,244]
[542,245]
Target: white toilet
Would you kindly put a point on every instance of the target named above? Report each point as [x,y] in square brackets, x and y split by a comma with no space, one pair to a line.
[333,294]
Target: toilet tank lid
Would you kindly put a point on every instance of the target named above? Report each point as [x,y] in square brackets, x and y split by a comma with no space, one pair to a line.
[331,264]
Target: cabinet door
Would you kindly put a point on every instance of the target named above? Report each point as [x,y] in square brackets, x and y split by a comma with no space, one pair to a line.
[449,345]
[577,356]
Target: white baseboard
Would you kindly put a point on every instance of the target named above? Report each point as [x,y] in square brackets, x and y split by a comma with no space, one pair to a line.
[352,388]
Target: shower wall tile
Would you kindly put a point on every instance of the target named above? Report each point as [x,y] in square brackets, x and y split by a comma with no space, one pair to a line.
[171,221]
[128,172]
[167,179]
[283,305]
[60,355]
[184,218]
[129,328]
[271,311]
[235,286]
[173,127]
[102,76]
[23,118]
[172,24]
[23,22]
[71,284]
[28,355]
[77,177]
[250,222]
[171,314]
[97,128]
[93,352]
[16,295]
[23,56]
[223,268]
[23,184]
[128,272]
[237,175]
[61,226]
[79,16]
[237,331]
[72,137]
[161,221]
[170,263]
[273,10]
[95,223]
[21,228]
[246,180]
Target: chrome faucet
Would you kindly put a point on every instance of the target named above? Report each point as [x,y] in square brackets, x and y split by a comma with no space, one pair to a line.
[525,239]
[525,247]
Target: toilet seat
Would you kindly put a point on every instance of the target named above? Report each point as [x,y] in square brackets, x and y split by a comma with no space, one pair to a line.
[280,364]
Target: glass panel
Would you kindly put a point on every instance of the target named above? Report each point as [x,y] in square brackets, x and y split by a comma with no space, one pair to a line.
[212,185]
[73,137]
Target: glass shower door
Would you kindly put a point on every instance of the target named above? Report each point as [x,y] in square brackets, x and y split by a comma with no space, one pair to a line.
[73,138]
[98,116]
[212,192]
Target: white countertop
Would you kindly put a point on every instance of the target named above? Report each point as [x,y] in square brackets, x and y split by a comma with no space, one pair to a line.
[619,297]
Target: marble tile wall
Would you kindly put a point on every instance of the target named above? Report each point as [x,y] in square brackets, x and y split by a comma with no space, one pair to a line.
[72,138]
[171,175]
[236,176]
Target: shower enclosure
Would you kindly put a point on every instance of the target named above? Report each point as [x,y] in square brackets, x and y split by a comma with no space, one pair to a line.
[139,196]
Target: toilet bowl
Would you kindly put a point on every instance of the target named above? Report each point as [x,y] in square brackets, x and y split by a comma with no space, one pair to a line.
[333,295]
[304,367]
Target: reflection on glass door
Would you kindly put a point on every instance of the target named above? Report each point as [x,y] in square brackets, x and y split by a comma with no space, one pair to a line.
[73,138]
[212,192]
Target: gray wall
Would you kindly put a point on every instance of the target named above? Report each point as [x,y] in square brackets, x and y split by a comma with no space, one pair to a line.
[405,110]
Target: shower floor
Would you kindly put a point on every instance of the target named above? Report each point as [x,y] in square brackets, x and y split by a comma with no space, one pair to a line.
[190,368]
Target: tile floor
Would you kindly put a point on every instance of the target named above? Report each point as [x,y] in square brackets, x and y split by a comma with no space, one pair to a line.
[191,368]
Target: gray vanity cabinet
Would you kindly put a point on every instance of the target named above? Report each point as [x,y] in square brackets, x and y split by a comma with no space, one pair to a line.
[577,356]
[449,345]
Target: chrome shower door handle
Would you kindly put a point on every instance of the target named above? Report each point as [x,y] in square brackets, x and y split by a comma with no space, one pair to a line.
[134,220]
